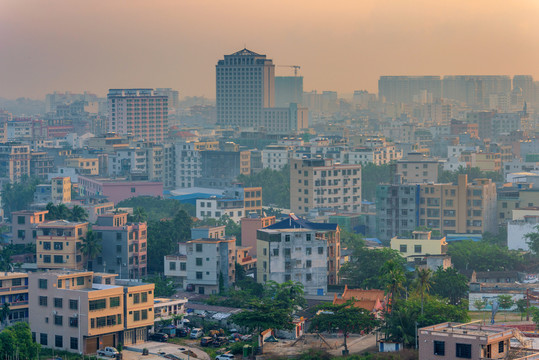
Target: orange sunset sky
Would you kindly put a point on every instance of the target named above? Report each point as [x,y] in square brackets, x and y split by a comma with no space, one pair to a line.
[341,45]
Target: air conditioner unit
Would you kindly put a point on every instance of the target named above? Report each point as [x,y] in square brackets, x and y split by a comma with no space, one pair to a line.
[55,312]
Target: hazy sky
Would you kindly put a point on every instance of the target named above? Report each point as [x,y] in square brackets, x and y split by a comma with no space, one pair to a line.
[341,45]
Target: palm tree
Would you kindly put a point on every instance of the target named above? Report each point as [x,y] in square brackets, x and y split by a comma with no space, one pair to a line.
[4,313]
[393,276]
[91,246]
[139,214]
[78,214]
[423,283]
[63,212]
[53,212]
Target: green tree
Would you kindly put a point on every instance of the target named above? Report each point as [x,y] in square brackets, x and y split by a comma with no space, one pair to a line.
[18,196]
[4,313]
[394,278]
[78,214]
[139,215]
[450,284]
[482,256]
[499,239]
[18,339]
[472,172]
[423,282]
[275,185]
[288,295]
[351,240]
[532,239]
[346,318]
[62,212]
[506,302]
[363,269]
[401,322]
[480,304]
[5,258]
[163,287]
[522,307]
[91,247]
[157,208]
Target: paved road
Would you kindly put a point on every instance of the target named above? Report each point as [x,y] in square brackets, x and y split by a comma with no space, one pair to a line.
[134,352]
[358,345]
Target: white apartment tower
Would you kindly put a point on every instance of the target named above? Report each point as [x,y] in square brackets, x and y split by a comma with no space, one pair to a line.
[245,83]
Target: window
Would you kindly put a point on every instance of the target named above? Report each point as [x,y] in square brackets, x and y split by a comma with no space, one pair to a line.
[58,245]
[58,259]
[73,322]
[114,301]
[80,280]
[464,351]
[275,252]
[133,190]
[136,298]
[42,283]
[198,247]
[501,347]
[308,237]
[144,314]
[43,301]
[439,348]
[21,234]
[287,238]
[58,302]
[58,320]
[136,315]
[403,248]
[98,304]
[183,266]
[73,304]
[309,277]
[74,343]
[199,275]
[20,220]
[308,263]
[46,245]
[143,297]
[417,249]
[199,261]
[172,265]
[287,252]
[43,339]
[320,250]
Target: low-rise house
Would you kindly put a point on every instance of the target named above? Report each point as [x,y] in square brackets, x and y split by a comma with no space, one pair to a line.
[372,300]
[24,225]
[14,292]
[58,244]
[419,245]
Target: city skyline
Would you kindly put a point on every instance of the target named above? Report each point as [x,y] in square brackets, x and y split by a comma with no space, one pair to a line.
[176,44]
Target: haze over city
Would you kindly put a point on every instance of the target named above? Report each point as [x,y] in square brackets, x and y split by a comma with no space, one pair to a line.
[340,46]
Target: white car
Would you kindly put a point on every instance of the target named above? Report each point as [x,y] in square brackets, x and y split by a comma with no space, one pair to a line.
[108,351]
[196,333]
[225,357]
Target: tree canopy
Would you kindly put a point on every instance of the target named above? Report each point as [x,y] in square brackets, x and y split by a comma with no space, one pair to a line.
[156,208]
[532,239]
[482,256]
[17,339]
[275,186]
[373,175]
[449,284]
[473,173]
[62,212]
[18,196]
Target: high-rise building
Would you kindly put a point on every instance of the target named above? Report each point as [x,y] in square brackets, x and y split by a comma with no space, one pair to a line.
[476,89]
[288,90]
[321,183]
[14,161]
[140,112]
[245,86]
[402,89]
[525,83]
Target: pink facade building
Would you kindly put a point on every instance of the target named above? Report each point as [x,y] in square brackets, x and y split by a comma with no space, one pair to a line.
[118,189]
[139,112]
[249,226]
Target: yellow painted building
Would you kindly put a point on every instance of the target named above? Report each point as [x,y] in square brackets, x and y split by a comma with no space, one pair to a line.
[61,190]
[82,311]
[419,245]
[252,199]
[85,166]
[14,291]
[488,161]
[58,244]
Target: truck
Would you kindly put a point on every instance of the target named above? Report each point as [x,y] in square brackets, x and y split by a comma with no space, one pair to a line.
[108,351]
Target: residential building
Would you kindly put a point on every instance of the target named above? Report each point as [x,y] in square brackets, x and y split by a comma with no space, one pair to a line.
[220,169]
[416,168]
[82,311]
[24,225]
[41,164]
[249,226]
[140,112]
[406,89]
[488,161]
[14,161]
[397,209]
[61,190]
[245,86]
[211,264]
[323,183]
[118,189]
[470,341]
[14,292]
[124,246]
[299,250]
[288,90]
[275,157]
[419,245]
[168,309]
[43,194]
[58,244]
[176,268]
[215,208]
[246,261]
[84,166]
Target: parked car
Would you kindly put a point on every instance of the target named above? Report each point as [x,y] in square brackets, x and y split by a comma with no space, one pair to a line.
[206,341]
[182,332]
[225,357]
[196,333]
[161,337]
[108,351]
[220,341]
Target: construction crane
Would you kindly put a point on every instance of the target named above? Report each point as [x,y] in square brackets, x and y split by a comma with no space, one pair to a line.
[295,67]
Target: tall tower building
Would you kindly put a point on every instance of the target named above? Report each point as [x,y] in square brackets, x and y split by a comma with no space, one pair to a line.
[140,112]
[245,84]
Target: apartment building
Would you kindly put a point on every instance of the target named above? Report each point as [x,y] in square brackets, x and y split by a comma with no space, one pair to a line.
[61,190]
[82,311]
[84,166]
[58,244]
[41,164]
[176,268]
[14,161]
[237,202]
[140,112]
[118,189]
[14,292]
[221,168]
[419,245]
[249,226]
[275,157]
[514,198]
[397,209]
[416,168]
[297,250]
[378,155]
[211,264]
[24,225]
[323,183]
[124,246]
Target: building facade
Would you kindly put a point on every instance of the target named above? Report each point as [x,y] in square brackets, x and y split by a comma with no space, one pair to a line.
[58,244]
